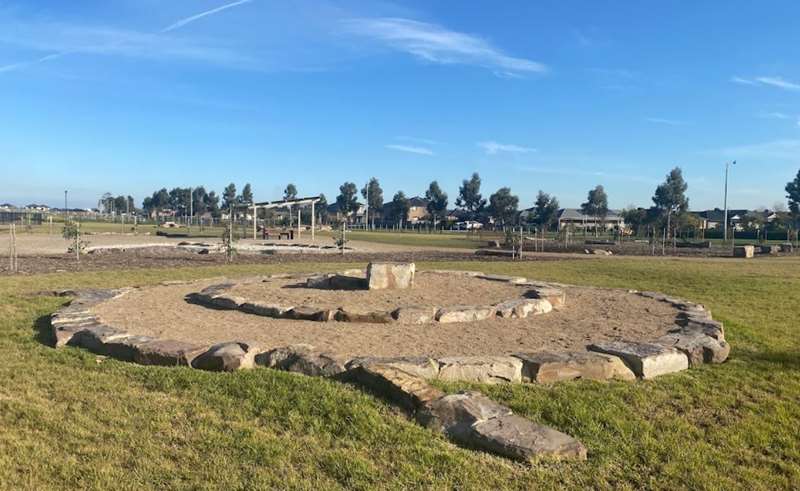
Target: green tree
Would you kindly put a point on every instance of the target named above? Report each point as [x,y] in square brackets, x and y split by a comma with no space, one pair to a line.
[670,196]
[399,207]
[503,206]
[437,202]
[469,195]
[229,196]
[290,192]
[199,197]
[211,204]
[793,196]
[636,219]
[373,195]
[347,201]
[321,209]
[596,205]
[546,208]
[247,194]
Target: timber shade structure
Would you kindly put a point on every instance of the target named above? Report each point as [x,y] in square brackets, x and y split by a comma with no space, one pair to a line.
[286,203]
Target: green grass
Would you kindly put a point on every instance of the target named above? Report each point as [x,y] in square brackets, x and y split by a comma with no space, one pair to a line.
[457,240]
[67,421]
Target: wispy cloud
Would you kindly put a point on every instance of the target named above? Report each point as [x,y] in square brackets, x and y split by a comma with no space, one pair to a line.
[410,149]
[493,148]
[437,44]
[190,19]
[424,141]
[665,121]
[774,115]
[66,39]
[778,82]
[561,171]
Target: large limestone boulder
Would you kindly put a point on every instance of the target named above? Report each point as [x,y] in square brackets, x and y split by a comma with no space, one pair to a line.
[167,352]
[485,369]
[420,366]
[545,367]
[523,307]
[698,347]
[381,276]
[265,309]
[465,313]
[355,314]
[646,360]
[301,358]
[226,357]
[746,251]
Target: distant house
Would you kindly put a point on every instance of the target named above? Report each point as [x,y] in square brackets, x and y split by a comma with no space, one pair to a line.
[575,218]
[355,217]
[418,210]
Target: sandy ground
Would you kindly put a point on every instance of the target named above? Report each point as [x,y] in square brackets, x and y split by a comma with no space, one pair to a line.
[429,290]
[591,315]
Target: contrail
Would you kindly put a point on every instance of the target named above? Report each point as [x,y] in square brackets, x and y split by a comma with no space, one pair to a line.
[193,18]
[176,25]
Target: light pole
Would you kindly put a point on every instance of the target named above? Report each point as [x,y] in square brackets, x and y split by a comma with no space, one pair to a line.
[65,205]
[725,224]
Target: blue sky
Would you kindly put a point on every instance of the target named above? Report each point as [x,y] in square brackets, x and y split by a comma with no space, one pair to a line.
[129,95]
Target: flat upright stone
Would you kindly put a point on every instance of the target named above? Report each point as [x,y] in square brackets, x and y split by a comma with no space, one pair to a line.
[351,314]
[556,296]
[485,369]
[787,247]
[465,313]
[545,367]
[319,281]
[520,439]
[309,313]
[383,275]
[167,352]
[417,314]
[697,347]
[63,331]
[227,357]
[646,360]
[407,390]
[521,308]
[420,366]
[770,249]
[265,309]
[746,251]
[503,278]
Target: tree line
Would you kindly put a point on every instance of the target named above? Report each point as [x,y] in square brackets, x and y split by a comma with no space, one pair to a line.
[669,211]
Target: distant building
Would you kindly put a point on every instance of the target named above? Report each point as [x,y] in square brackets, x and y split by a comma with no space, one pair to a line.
[575,218]
[739,219]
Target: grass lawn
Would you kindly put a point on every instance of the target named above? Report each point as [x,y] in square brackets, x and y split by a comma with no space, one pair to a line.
[67,420]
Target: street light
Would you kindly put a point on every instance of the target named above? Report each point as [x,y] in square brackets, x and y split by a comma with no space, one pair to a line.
[725,225]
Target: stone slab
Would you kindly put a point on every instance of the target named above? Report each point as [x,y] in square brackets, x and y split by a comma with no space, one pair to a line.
[265,309]
[484,369]
[556,296]
[746,251]
[351,314]
[520,439]
[545,367]
[407,390]
[415,315]
[523,307]
[420,366]
[465,313]
[167,352]
[646,360]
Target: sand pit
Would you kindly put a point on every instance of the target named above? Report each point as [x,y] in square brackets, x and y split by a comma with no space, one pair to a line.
[591,315]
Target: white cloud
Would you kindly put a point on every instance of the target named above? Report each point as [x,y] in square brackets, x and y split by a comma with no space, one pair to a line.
[437,44]
[493,148]
[775,115]
[778,82]
[190,19]
[413,139]
[668,122]
[410,149]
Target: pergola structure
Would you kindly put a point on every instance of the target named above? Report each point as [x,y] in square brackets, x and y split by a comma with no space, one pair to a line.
[287,203]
